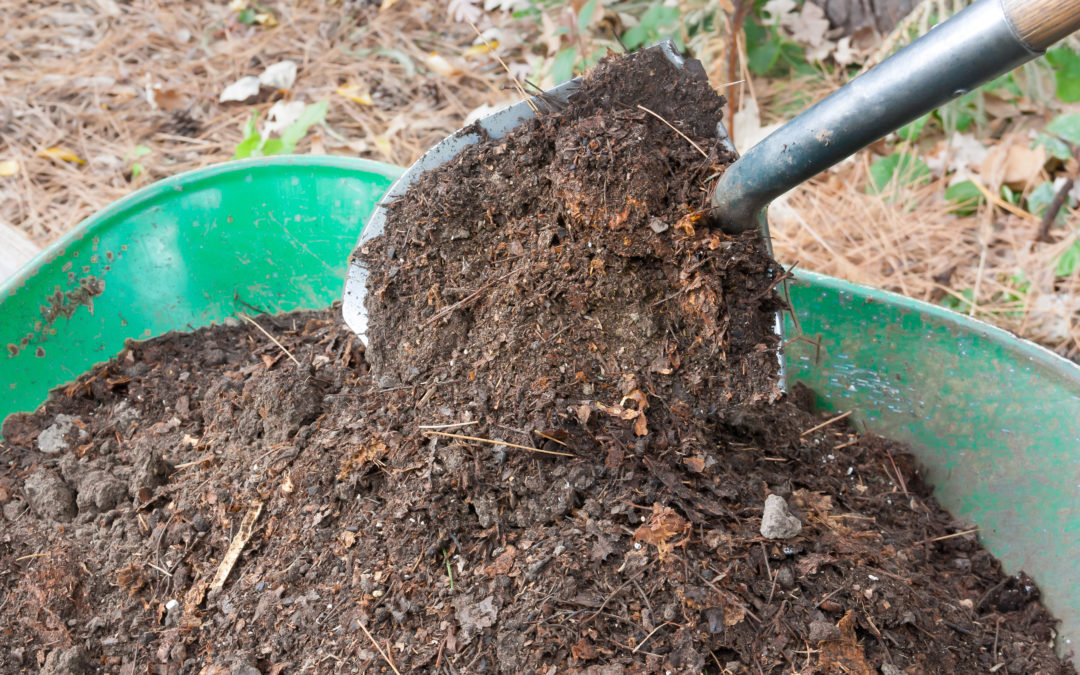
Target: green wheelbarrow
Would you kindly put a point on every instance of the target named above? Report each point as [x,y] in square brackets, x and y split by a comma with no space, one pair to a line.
[994,419]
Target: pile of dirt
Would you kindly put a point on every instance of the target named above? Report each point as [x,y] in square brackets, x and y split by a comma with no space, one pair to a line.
[564,452]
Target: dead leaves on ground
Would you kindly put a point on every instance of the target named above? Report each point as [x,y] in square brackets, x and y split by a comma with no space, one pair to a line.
[661,528]
[623,412]
[844,652]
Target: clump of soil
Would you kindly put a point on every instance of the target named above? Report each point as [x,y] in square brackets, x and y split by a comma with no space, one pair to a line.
[568,455]
[565,273]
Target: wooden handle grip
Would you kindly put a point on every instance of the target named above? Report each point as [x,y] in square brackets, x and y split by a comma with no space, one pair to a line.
[1041,23]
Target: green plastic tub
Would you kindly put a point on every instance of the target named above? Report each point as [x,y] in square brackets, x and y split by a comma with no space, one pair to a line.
[995,419]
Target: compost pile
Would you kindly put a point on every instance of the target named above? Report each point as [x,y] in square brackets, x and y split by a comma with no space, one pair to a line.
[556,456]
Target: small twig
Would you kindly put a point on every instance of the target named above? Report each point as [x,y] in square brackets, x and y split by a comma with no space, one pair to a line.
[379,647]
[825,423]
[280,346]
[676,130]
[517,85]
[236,546]
[461,303]
[829,595]
[640,644]
[541,434]
[32,555]
[449,574]
[446,426]
[768,569]
[947,536]
[1052,212]
[899,477]
[1011,208]
[506,443]
[194,463]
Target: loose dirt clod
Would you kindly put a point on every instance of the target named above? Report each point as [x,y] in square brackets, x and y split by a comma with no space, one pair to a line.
[556,290]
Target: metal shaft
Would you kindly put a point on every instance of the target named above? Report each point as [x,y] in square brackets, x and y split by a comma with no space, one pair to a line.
[971,48]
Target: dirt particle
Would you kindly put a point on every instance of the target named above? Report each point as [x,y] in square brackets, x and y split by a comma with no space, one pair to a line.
[58,436]
[100,491]
[49,496]
[151,471]
[70,661]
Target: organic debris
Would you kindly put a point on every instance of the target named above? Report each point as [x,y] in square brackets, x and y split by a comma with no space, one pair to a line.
[401,519]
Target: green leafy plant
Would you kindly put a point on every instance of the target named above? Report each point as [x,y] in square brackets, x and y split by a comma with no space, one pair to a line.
[959,304]
[770,53]
[1010,196]
[965,197]
[255,145]
[910,132]
[137,169]
[1066,65]
[658,22]
[901,168]
[1069,260]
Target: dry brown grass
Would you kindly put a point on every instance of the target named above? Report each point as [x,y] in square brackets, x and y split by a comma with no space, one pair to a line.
[907,241]
[76,75]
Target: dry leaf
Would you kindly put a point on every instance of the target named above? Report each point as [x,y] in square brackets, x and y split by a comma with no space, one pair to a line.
[734,614]
[808,565]
[662,526]
[281,115]
[356,94]
[347,538]
[61,153]
[807,27]
[845,653]
[617,411]
[383,144]
[243,89]
[638,397]
[1014,164]
[583,650]
[816,501]
[746,129]
[844,55]
[503,564]
[287,485]
[480,49]
[9,167]
[695,464]
[440,65]
[281,75]
[465,11]
[387,4]
[777,9]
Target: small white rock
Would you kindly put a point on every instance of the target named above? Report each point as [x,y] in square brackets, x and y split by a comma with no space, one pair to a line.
[776,521]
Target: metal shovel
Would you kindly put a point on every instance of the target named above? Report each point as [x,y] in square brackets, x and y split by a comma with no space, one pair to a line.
[987,39]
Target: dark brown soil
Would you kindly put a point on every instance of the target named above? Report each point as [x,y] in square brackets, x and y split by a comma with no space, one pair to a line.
[614,357]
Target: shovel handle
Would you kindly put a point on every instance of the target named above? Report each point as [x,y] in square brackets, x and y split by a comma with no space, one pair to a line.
[985,40]
[1041,23]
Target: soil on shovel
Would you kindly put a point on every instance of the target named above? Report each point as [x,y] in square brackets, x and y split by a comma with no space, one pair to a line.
[563,452]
